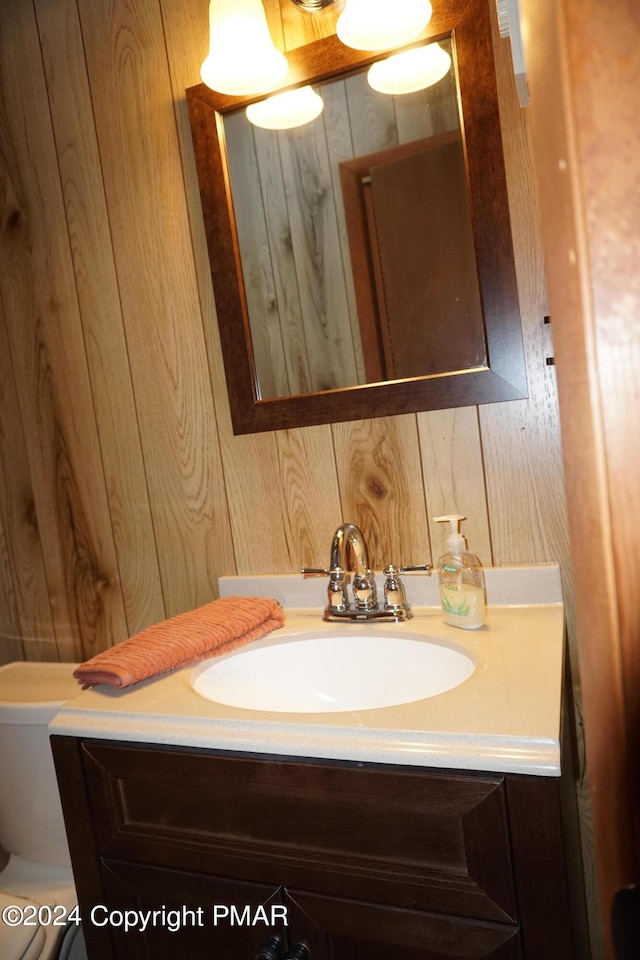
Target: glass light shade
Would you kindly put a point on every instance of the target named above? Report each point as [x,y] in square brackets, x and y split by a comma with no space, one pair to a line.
[411,70]
[382,24]
[242,58]
[285,110]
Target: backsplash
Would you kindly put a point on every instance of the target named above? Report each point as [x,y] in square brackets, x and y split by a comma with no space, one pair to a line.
[505,586]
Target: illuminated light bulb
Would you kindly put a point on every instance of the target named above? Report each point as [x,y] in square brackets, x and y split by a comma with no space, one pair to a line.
[380,24]
[242,58]
[285,110]
[411,70]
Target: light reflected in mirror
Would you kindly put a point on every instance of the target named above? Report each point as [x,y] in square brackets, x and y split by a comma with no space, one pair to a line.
[356,241]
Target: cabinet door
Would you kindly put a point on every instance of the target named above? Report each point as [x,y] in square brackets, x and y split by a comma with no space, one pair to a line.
[189,915]
[338,929]
[196,916]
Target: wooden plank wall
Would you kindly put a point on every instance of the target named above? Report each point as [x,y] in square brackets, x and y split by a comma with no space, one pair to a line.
[123,492]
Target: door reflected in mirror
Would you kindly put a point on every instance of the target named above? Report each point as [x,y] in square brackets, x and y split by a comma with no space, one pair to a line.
[356,241]
[362,264]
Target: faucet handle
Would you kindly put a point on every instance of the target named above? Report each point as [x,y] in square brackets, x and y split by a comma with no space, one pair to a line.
[395,599]
[420,568]
[337,601]
[308,572]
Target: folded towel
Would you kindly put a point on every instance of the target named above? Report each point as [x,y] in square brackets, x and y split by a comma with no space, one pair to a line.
[211,630]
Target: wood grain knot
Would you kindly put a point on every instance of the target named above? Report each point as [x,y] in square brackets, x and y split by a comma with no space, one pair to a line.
[376,488]
[13,220]
[30,515]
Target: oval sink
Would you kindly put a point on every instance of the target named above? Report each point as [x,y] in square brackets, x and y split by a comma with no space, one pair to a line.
[329,673]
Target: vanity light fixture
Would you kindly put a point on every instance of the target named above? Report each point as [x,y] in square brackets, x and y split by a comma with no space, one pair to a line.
[282,111]
[380,24]
[410,70]
[242,58]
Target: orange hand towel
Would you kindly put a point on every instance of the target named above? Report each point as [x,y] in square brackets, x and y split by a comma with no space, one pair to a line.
[211,630]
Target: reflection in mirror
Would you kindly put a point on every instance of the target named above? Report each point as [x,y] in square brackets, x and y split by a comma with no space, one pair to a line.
[355,276]
[355,240]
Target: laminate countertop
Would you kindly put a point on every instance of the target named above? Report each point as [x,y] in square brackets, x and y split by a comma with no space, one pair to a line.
[506,717]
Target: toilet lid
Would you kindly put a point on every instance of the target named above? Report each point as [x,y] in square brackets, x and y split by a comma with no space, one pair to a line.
[33,682]
[32,693]
[21,942]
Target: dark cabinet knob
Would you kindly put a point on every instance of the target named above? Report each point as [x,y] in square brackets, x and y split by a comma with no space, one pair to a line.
[299,952]
[271,950]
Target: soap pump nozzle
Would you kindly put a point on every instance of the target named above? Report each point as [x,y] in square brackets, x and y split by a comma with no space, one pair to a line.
[456,543]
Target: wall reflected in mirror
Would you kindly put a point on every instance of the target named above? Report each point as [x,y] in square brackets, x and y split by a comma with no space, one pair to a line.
[356,240]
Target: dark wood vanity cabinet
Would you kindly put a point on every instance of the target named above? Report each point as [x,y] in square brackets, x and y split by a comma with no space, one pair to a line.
[362,861]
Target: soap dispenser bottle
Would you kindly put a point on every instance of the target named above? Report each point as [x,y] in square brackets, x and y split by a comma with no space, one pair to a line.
[462,595]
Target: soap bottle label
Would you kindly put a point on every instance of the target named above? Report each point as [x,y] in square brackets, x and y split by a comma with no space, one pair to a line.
[463,604]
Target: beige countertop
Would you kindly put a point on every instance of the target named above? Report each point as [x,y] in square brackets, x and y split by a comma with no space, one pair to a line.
[504,718]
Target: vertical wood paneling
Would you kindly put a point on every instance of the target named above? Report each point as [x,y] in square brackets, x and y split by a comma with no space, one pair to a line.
[11,647]
[169,330]
[316,253]
[454,477]
[379,473]
[521,440]
[99,302]
[372,118]
[167,326]
[271,290]
[268,535]
[25,615]
[144,188]
[250,464]
[41,310]
[335,118]
[313,503]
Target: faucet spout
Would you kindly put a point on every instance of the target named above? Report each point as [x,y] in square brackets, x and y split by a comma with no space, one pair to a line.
[349,550]
[349,554]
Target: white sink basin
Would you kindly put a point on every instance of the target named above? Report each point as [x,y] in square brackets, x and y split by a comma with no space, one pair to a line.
[327,673]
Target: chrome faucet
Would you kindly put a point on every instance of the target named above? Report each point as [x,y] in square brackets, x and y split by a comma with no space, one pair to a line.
[349,555]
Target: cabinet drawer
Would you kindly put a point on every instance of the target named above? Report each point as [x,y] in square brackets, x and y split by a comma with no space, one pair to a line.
[424,840]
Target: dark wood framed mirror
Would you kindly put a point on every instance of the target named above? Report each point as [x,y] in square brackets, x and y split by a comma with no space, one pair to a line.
[385,297]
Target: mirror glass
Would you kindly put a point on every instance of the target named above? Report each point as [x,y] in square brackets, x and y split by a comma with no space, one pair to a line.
[355,239]
[362,264]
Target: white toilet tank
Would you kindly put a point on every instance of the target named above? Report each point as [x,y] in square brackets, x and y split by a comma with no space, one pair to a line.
[31,823]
